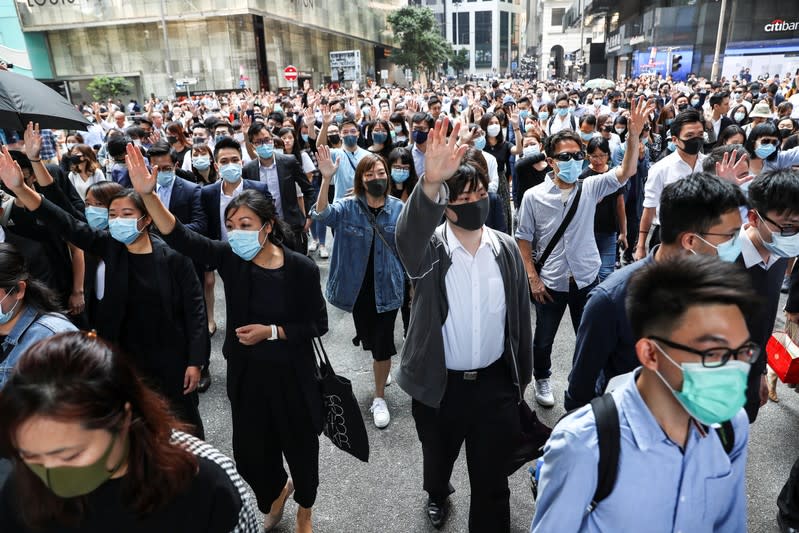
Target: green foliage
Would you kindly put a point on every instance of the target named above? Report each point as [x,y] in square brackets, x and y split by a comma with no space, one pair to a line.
[459,60]
[421,45]
[105,87]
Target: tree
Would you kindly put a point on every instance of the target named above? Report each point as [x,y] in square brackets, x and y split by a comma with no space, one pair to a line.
[421,45]
[459,60]
[104,87]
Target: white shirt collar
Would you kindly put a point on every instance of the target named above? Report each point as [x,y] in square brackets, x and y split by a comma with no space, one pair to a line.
[236,191]
[751,255]
[168,187]
[455,243]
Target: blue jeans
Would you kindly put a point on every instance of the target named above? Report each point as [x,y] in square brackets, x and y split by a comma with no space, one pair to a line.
[5,470]
[319,231]
[606,243]
[547,322]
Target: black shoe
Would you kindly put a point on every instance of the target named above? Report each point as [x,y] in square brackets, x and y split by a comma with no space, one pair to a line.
[205,380]
[437,512]
[784,528]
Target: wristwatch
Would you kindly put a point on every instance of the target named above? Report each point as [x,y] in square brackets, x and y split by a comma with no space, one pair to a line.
[274,333]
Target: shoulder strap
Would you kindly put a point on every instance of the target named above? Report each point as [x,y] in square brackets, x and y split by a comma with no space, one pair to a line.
[561,230]
[371,218]
[609,437]
[726,435]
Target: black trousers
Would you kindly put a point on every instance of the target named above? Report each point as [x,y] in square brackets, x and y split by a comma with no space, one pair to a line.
[788,500]
[484,413]
[271,420]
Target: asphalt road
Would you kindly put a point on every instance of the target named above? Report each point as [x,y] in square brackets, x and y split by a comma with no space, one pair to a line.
[386,494]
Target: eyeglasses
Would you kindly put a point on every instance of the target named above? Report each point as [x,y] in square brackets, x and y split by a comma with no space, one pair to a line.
[597,156]
[716,357]
[568,156]
[785,231]
[263,142]
[775,142]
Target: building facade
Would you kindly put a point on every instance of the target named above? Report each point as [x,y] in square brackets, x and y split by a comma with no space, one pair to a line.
[212,44]
[559,41]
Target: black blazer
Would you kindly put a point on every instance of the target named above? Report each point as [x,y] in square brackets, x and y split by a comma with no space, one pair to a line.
[186,206]
[209,199]
[306,319]
[187,342]
[289,172]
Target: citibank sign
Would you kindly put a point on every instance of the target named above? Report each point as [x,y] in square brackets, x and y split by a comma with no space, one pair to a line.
[781,25]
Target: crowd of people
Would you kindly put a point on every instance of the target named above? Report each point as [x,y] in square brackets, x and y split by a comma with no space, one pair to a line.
[663,214]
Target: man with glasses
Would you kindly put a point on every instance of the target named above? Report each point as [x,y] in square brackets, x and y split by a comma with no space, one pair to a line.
[677,471]
[768,239]
[569,272]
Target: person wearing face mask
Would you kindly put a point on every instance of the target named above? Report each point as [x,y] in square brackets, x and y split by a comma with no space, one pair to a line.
[400,135]
[202,165]
[381,142]
[687,135]
[177,140]
[763,145]
[152,286]
[268,348]
[561,272]
[347,157]
[699,215]
[787,127]
[678,418]
[562,118]
[770,238]
[366,276]
[531,168]
[83,429]
[84,169]
[421,125]
[282,174]
[467,358]
[503,152]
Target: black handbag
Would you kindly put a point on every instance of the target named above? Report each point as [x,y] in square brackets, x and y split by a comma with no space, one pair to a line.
[530,441]
[342,420]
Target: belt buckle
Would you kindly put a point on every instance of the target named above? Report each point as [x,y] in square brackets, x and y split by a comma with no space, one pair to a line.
[470,376]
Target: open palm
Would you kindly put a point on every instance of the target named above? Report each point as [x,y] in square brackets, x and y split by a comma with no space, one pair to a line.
[141,177]
[443,155]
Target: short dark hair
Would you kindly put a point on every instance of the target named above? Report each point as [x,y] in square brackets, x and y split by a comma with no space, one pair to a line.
[227,142]
[257,128]
[598,142]
[660,293]
[765,129]
[717,155]
[695,204]
[729,131]
[563,135]
[367,163]
[588,119]
[689,116]
[561,96]
[424,117]
[777,190]
[472,170]
[718,98]
[162,148]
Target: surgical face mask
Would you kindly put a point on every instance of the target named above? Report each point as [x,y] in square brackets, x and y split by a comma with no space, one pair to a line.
[692,146]
[562,111]
[695,102]
[530,151]
[780,246]
[165,178]
[96,217]
[710,395]
[668,121]
[350,141]
[543,115]
[420,137]
[471,216]
[376,187]
[219,138]
[671,146]
[480,142]
[620,131]
[765,150]
[69,146]
[239,137]
[201,162]
[231,172]
[569,171]
[74,481]
[339,117]
[739,117]
[245,243]
[586,136]
[400,175]
[5,316]
[265,151]
[334,139]
[728,250]
[124,230]
[304,137]
[398,130]
[379,137]
[493,130]
[523,115]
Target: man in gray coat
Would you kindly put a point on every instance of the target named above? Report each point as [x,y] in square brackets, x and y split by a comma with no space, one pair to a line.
[468,354]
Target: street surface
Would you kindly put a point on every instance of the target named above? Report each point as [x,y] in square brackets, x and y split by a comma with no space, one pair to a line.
[386,494]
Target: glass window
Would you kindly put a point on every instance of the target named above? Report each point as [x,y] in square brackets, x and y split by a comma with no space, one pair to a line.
[460,28]
[482,39]
[504,30]
[557,16]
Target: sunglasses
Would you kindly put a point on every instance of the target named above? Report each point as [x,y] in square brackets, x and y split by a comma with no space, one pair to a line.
[775,142]
[568,156]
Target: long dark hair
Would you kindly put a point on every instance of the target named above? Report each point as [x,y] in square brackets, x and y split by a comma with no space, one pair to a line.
[77,377]
[14,269]
[266,211]
[404,156]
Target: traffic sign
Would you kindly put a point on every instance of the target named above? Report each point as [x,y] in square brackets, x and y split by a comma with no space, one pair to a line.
[290,73]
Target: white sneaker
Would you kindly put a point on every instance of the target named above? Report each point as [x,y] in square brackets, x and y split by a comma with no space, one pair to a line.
[380,413]
[323,253]
[543,393]
[313,245]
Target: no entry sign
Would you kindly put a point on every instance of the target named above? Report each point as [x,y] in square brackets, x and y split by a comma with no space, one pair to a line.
[290,73]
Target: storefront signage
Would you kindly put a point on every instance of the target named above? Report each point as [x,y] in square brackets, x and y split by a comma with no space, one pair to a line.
[781,25]
[43,3]
[613,42]
[637,39]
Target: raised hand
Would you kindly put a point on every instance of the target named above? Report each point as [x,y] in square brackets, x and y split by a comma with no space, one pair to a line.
[142,179]
[443,155]
[10,173]
[33,141]
[514,120]
[325,162]
[308,117]
[734,170]
[639,116]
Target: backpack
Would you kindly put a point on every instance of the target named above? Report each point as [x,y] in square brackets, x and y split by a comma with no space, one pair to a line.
[571,121]
[609,440]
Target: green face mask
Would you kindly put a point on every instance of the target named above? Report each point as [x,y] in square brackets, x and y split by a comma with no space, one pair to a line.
[711,395]
[73,481]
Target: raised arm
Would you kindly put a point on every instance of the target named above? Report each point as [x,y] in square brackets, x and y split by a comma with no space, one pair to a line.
[635,124]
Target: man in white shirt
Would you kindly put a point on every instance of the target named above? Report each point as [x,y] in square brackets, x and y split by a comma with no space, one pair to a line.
[687,133]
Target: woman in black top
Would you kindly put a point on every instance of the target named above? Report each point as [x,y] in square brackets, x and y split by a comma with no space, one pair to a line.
[610,220]
[379,133]
[501,149]
[531,168]
[94,451]
[202,164]
[275,308]
[149,285]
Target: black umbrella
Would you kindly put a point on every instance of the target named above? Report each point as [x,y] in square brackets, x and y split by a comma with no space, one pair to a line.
[23,100]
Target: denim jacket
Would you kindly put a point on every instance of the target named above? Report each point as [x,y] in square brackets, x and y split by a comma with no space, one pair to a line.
[30,328]
[354,235]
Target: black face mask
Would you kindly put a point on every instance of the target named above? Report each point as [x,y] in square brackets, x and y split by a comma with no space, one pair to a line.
[334,139]
[171,140]
[682,107]
[692,146]
[471,216]
[785,133]
[377,187]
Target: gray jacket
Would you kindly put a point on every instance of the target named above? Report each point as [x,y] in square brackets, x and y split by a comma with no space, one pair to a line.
[424,251]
